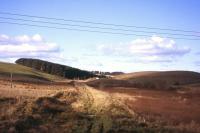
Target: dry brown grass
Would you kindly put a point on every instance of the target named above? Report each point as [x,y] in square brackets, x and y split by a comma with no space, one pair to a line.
[75,107]
[169,108]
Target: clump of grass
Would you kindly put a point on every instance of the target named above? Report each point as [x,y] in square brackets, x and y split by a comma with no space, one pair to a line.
[7,100]
[49,105]
[27,122]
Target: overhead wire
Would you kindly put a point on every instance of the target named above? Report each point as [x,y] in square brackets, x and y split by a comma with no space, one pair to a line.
[94,31]
[98,23]
[95,27]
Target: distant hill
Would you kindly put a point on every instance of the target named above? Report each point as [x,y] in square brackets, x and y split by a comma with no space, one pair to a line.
[23,73]
[55,69]
[135,74]
[150,80]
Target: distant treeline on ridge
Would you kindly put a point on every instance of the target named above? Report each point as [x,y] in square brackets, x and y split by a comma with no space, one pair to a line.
[55,69]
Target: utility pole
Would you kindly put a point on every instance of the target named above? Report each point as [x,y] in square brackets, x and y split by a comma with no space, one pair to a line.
[11,79]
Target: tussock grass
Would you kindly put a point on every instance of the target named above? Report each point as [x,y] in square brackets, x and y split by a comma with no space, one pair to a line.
[76,109]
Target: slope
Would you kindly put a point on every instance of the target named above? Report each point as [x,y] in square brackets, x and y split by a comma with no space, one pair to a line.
[23,73]
[150,80]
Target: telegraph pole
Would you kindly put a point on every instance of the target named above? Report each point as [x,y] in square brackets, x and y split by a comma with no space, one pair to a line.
[11,79]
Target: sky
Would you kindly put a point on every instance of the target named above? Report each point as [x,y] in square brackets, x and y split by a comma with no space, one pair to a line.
[104,51]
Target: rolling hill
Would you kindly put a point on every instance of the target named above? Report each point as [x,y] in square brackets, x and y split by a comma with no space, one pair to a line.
[150,80]
[23,73]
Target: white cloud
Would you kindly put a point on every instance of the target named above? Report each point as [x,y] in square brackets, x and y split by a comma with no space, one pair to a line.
[154,49]
[37,38]
[24,46]
[23,38]
[27,46]
[157,46]
[4,37]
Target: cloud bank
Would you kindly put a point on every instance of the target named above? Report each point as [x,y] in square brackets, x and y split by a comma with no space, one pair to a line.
[27,46]
[154,49]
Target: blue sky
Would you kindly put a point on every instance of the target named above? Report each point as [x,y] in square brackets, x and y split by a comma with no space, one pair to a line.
[105,52]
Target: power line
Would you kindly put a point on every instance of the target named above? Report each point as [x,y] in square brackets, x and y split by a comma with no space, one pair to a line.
[103,28]
[62,28]
[100,23]
[94,31]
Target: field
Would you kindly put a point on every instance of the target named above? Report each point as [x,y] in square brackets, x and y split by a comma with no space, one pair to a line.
[73,106]
[38,102]
[179,109]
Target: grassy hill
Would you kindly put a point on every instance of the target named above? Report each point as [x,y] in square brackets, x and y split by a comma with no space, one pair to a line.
[22,73]
[150,80]
[135,74]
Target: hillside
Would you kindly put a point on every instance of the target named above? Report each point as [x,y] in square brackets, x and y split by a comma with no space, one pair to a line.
[155,80]
[23,73]
[55,69]
[134,75]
